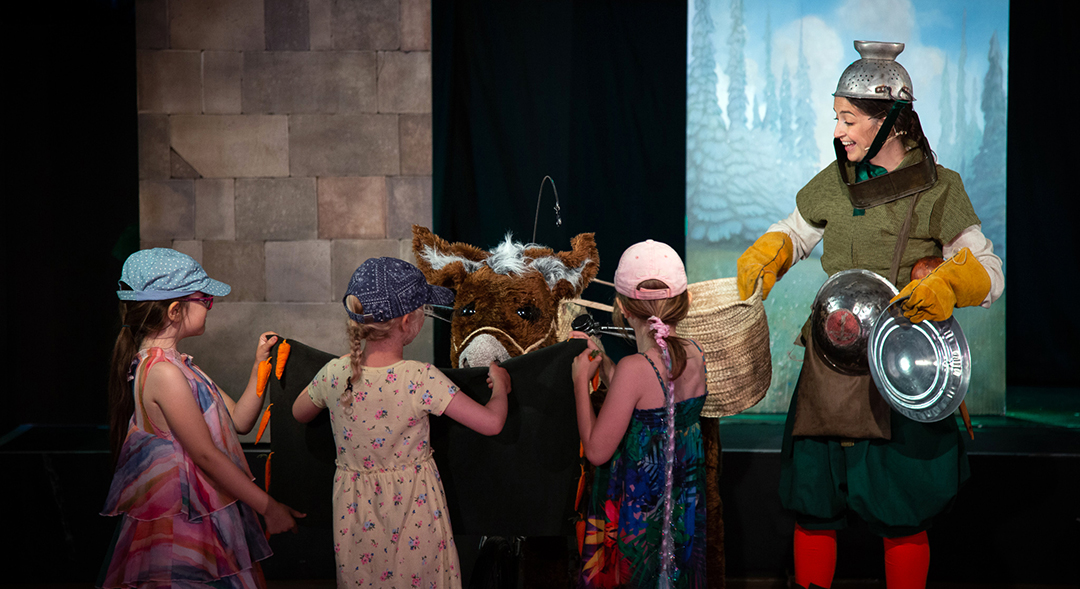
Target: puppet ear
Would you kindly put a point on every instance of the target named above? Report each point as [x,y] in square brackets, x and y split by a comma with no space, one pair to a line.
[583,250]
[444,263]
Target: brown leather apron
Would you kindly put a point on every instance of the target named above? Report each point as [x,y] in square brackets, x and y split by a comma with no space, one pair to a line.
[829,403]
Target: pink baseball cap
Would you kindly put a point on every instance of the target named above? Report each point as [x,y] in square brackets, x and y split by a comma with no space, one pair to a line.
[650,260]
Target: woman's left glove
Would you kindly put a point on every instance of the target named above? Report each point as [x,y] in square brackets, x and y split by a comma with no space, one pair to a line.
[960,282]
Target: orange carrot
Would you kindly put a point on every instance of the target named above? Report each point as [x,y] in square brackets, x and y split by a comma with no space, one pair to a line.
[262,423]
[266,481]
[264,377]
[283,350]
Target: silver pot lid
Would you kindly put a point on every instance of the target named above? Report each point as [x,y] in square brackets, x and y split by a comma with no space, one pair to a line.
[844,312]
[921,369]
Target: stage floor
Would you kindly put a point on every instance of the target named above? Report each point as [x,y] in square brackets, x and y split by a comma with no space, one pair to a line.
[1015,524]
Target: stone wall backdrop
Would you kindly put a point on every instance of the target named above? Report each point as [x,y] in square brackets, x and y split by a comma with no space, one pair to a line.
[282,143]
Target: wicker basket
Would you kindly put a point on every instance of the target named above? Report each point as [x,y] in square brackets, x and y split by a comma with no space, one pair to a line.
[735,337]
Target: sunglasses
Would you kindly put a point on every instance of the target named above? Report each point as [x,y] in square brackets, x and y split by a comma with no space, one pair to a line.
[207,302]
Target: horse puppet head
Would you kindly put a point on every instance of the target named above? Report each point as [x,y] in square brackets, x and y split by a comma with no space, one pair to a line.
[509,300]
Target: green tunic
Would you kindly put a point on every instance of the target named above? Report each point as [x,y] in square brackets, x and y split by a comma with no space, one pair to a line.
[867,241]
[896,486]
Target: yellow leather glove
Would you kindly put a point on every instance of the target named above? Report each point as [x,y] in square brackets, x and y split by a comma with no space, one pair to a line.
[769,258]
[960,282]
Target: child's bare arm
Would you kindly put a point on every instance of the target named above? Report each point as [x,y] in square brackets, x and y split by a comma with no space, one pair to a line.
[169,390]
[601,434]
[246,411]
[485,419]
[303,409]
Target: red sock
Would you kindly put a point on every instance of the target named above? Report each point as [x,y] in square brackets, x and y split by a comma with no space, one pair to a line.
[815,556]
[906,561]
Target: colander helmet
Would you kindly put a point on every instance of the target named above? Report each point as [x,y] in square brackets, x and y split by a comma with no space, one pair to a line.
[877,75]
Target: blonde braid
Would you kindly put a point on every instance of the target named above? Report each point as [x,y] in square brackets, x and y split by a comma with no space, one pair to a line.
[358,332]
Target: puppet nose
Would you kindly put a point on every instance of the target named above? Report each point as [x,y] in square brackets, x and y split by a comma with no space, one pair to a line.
[482,351]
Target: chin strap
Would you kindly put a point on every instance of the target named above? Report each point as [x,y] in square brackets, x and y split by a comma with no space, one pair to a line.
[864,170]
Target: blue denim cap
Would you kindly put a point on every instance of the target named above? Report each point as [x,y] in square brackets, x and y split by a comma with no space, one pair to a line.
[389,288]
[161,273]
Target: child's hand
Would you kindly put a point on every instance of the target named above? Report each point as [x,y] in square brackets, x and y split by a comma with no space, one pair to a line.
[497,375]
[587,362]
[279,518]
[266,341]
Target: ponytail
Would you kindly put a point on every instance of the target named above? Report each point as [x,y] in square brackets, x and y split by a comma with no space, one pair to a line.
[139,319]
[669,311]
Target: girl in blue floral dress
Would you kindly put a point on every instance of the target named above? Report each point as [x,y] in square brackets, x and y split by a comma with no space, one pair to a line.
[646,526]
[391,527]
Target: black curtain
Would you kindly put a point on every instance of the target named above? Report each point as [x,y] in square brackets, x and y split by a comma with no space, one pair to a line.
[592,94]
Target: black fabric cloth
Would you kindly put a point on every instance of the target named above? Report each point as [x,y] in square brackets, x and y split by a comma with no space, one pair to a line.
[521,482]
[302,463]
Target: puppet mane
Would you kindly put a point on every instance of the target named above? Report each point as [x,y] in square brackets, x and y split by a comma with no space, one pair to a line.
[508,258]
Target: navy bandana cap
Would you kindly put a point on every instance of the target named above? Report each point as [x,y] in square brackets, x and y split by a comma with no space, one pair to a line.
[389,288]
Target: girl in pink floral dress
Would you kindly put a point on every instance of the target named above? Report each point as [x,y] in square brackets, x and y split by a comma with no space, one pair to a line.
[391,527]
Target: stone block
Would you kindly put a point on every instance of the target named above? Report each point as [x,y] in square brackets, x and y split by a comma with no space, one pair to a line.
[309,82]
[180,168]
[405,82]
[190,247]
[233,146]
[241,265]
[415,25]
[422,349]
[151,24]
[409,203]
[320,24]
[346,255]
[286,25]
[416,144]
[153,147]
[226,350]
[215,216]
[237,25]
[343,145]
[298,271]
[147,244]
[352,208]
[405,250]
[372,24]
[222,74]
[166,209]
[168,81]
[276,209]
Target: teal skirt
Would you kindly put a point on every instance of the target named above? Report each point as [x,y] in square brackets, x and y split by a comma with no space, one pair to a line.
[896,486]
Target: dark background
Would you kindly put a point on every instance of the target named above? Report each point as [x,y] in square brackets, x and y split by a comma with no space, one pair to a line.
[591,93]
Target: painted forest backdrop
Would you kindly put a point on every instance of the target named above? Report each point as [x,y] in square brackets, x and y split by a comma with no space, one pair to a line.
[760,78]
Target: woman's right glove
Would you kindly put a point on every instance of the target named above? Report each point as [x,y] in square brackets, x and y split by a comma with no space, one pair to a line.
[960,282]
[769,258]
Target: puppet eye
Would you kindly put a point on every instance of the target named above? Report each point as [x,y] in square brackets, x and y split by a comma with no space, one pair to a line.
[468,310]
[529,313]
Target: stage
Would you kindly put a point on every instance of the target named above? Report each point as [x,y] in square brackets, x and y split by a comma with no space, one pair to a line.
[1015,523]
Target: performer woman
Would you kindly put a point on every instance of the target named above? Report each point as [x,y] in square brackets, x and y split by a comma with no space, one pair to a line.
[883,205]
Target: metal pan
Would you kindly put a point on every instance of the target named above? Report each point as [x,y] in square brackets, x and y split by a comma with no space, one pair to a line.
[922,369]
[844,311]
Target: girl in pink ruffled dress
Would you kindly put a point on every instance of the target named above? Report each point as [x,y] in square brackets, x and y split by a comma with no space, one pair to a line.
[182,490]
